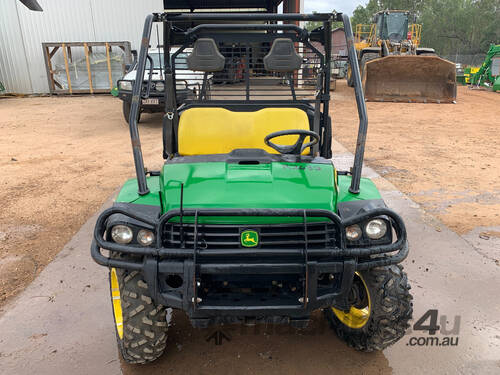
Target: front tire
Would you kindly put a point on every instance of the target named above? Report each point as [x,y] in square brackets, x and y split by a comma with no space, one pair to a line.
[126,112]
[141,326]
[382,317]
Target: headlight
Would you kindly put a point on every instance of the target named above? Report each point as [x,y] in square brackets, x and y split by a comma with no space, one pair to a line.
[125,85]
[121,234]
[160,86]
[376,229]
[145,237]
[353,232]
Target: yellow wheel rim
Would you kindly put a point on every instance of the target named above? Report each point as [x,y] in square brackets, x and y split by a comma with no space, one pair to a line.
[356,317]
[117,303]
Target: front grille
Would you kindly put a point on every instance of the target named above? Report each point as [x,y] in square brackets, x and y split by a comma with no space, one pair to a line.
[287,236]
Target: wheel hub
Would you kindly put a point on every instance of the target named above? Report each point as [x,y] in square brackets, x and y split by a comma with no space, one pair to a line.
[359,299]
[116,300]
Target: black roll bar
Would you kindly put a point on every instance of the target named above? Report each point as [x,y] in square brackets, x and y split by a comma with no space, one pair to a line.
[134,109]
[205,16]
[360,101]
[168,18]
[303,33]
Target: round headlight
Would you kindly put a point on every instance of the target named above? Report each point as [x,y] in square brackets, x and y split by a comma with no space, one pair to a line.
[125,85]
[376,229]
[121,234]
[145,237]
[160,86]
[353,232]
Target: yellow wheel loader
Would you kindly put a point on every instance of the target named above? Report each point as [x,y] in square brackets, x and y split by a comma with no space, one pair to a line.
[395,68]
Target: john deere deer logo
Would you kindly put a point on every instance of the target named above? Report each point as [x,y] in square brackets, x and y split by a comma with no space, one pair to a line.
[249,238]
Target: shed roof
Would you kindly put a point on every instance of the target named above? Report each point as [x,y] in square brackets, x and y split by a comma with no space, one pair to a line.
[220,4]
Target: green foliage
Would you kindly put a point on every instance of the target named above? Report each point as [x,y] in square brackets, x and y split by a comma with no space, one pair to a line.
[364,14]
[449,26]
[311,25]
[460,26]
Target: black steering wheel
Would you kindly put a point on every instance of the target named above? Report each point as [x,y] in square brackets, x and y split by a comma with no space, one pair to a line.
[298,147]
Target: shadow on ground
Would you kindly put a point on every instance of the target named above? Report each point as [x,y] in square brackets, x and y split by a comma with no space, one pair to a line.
[260,349]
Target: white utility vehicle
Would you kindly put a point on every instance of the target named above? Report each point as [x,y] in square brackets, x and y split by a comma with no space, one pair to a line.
[152,97]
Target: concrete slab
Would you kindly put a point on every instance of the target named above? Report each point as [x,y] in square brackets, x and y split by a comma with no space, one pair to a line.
[448,274]
[63,323]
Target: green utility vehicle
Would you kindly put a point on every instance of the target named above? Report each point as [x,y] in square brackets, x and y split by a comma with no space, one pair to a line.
[249,220]
[489,73]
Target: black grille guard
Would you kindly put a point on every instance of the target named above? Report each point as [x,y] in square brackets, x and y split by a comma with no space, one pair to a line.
[398,249]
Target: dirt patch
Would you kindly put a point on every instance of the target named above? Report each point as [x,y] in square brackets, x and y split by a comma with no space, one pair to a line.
[61,158]
[444,156]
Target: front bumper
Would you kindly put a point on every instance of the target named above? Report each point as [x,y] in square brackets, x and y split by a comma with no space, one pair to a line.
[182,96]
[302,267]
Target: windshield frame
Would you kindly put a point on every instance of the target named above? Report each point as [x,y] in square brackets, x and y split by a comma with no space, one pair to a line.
[392,23]
[157,57]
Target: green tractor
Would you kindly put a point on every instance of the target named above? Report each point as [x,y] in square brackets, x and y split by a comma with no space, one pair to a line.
[489,73]
[249,220]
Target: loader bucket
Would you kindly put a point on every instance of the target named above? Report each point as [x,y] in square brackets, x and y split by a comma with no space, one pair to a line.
[400,78]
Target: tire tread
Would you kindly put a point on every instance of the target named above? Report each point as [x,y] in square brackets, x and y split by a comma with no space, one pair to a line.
[391,311]
[144,323]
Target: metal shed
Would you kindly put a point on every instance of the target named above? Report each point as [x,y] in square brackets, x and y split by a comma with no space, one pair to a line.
[22,32]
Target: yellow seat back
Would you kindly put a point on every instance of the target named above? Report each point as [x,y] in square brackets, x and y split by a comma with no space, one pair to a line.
[204,131]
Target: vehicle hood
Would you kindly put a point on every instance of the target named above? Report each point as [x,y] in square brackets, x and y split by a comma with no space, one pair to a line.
[231,185]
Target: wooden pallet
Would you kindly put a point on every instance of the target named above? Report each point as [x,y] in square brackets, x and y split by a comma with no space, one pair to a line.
[50,49]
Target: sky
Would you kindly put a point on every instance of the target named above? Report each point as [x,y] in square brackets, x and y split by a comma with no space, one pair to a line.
[344,6]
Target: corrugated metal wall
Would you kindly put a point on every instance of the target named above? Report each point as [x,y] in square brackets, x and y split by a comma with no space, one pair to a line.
[22,32]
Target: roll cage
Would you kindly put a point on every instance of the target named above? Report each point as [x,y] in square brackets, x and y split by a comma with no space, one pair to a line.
[244,84]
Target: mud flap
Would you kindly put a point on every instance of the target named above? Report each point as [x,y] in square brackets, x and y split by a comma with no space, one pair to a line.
[403,78]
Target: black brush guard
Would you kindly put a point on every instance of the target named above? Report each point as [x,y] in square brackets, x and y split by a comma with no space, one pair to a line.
[192,265]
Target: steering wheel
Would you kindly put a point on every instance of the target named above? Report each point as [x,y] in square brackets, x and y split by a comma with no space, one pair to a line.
[298,147]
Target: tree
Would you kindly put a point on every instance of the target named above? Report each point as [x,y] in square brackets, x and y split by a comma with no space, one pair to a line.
[311,25]
[449,26]
[364,14]
[460,26]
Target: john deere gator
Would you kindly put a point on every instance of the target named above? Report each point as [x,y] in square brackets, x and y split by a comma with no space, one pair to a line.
[249,220]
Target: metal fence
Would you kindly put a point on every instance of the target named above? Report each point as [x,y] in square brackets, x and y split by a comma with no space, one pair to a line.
[466,60]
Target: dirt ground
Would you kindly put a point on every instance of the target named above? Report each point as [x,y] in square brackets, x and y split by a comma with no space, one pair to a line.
[444,156]
[62,157]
